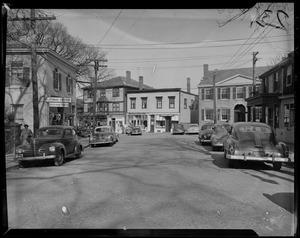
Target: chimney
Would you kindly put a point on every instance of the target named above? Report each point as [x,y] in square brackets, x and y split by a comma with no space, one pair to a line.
[188,85]
[141,82]
[128,75]
[205,71]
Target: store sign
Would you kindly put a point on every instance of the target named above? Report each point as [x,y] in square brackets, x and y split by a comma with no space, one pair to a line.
[58,100]
[58,104]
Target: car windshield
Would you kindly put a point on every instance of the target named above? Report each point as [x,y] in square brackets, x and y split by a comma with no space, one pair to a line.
[207,127]
[193,125]
[102,129]
[46,132]
[261,129]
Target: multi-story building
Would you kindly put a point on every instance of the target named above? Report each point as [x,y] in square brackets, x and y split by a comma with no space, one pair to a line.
[111,104]
[157,109]
[274,103]
[232,86]
[56,87]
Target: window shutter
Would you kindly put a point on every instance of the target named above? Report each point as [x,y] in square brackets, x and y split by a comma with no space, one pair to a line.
[202,93]
[59,81]
[228,93]
[26,73]
[67,84]
[234,93]
[244,92]
[211,93]
[7,77]
[54,80]
[202,114]
[219,91]
[219,114]
[228,114]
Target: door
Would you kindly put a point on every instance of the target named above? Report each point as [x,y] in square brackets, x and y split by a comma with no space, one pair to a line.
[152,123]
[168,123]
[113,123]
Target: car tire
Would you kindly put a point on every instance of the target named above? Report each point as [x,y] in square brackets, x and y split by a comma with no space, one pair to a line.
[213,148]
[78,154]
[59,160]
[277,166]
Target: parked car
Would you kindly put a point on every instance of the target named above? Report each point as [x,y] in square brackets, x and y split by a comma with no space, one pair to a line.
[103,135]
[86,133]
[220,133]
[178,129]
[192,129]
[205,133]
[254,141]
[135,130]
[128,130]
[51,143]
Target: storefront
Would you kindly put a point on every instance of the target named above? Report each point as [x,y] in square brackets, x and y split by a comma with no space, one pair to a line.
[61,111]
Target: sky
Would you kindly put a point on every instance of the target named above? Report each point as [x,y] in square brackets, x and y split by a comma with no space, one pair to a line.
[167,46]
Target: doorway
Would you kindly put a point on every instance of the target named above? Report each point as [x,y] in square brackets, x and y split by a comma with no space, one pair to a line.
[239,113]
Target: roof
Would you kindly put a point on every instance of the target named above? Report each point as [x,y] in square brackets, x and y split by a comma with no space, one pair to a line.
[160,90]
[119,81]
[228,73]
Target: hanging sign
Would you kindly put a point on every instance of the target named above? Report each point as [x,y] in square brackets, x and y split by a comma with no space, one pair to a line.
[58,99]
[58,104]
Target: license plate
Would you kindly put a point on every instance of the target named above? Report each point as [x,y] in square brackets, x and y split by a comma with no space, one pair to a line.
[259,153]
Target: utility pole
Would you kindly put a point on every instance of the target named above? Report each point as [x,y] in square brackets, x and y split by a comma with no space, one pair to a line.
[96,67]
[214,97]
[254,78]
[35,96]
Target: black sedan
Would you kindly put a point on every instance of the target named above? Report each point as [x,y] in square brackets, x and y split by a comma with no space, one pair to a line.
[205,133]
[51,143]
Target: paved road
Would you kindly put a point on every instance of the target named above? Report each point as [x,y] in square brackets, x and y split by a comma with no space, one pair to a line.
[153,181]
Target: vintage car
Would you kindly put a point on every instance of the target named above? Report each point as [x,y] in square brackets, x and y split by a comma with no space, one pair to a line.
[192,129]
[220,134]
[135,130]
[205,133]
[128,130]
[178,129]
[255,141]
[51,143]
[103,135]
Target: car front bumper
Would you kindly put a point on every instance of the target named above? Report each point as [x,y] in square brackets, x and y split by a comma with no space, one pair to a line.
[258,158]
[20,157]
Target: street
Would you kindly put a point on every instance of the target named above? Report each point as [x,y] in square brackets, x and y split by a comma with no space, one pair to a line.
[153,181]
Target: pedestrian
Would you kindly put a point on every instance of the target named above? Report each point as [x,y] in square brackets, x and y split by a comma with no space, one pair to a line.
[26,134]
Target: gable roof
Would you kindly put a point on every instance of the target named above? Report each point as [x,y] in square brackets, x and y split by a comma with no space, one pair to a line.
[119,81]
[229,73]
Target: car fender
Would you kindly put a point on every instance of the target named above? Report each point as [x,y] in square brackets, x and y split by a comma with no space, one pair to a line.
[58,146]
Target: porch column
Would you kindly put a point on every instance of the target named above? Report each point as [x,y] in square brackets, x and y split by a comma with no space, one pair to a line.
[263,114]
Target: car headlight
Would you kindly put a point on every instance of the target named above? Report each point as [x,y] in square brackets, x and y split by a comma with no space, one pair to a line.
[52,148]
[231,149]
[19,151]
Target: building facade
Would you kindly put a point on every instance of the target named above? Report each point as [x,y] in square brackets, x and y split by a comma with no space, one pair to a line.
[157,109]
[56,87]
[274,103]
[111,103]
[232,87]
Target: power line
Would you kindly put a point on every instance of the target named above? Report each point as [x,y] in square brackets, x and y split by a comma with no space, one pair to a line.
[110,27]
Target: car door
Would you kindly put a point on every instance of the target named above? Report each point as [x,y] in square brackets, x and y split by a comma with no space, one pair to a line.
[68,141]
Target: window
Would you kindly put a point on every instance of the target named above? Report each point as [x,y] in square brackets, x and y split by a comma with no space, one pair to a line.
[116,107]
[258,113]
[289,115]
[18,111]
[102,92]
[171,102]
[250,91]
[275,85]
[103,107]
[185,103]
[144,103]
[289,75]
[159,102]
[132,103]
[90,93]
[18,74]
[208,94]
[223,93]
[56,80]
[209,114]
[239,92]
[69,84]
[225,114]
[90,107]
[116,92]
